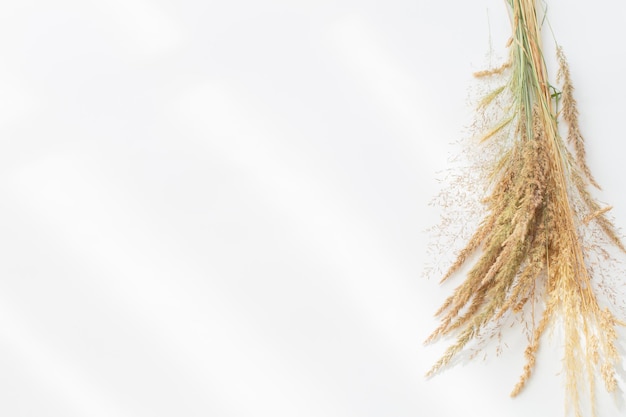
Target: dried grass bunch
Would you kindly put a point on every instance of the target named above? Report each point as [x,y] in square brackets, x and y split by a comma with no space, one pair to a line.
[531,239]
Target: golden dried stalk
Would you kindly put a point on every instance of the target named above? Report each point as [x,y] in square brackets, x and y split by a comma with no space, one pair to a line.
[530,236]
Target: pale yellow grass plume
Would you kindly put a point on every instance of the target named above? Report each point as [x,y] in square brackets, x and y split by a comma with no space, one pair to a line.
[530,239]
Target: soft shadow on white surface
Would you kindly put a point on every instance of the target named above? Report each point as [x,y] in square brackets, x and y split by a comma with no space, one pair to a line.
[218,208]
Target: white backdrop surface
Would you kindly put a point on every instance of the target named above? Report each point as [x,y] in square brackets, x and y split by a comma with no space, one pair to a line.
[217,208]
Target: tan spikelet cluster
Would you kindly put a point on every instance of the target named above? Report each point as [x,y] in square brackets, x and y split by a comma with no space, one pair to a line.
[495,71]
[570,116]
[530,237]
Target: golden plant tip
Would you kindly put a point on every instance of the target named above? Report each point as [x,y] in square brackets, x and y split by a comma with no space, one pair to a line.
[596,213]
[497,128]
[494,71]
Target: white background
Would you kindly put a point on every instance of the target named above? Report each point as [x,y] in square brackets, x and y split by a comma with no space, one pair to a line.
[217,208]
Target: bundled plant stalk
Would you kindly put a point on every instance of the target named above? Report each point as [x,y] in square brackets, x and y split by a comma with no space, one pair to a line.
[530,240]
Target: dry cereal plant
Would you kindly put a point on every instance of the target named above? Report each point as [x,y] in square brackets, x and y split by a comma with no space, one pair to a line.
[541,232]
